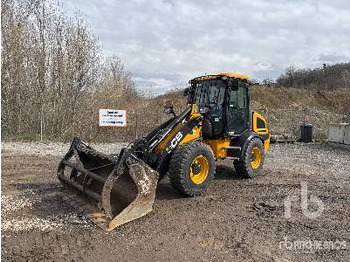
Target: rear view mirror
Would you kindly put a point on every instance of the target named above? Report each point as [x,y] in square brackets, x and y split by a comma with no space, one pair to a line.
[168,109]
[186,91]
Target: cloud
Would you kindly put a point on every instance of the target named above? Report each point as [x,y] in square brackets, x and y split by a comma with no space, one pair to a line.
[164,43]
[332,58]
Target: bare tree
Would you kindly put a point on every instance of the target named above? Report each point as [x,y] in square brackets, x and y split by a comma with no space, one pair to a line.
[53,76]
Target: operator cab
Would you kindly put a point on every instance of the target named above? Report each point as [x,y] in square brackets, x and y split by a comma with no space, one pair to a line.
[223,101]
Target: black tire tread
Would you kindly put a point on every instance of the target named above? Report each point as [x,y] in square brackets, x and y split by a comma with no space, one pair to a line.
[243,167]
[177,168]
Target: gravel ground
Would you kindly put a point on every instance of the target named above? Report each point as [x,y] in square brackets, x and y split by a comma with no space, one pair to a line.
[53,149]
[236,220]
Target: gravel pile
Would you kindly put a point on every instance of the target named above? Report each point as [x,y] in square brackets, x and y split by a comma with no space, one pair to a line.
[11,203]
[43,224]
[24,203]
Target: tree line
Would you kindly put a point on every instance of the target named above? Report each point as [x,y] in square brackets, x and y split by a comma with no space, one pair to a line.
[53,76]
[327,77]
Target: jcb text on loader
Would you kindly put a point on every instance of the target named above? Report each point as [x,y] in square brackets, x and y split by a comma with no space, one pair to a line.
[216,124]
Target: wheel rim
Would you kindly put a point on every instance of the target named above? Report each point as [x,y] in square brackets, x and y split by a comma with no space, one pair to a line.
[199,169]
[255,158]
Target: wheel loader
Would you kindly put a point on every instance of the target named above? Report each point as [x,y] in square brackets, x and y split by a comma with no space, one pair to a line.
[216,124]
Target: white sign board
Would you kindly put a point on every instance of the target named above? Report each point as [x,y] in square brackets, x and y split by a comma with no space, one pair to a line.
[112,118]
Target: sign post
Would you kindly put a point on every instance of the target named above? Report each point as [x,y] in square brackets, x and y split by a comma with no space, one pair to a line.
[112,118]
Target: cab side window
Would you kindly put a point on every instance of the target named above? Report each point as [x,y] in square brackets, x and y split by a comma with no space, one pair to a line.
[238,99]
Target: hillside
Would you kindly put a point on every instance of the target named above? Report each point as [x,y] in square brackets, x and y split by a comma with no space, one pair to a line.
[286,108]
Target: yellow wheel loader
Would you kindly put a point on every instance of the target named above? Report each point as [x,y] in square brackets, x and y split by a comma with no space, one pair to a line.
[216,124]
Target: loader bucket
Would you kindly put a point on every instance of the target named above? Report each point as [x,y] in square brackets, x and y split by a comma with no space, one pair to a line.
[110,191]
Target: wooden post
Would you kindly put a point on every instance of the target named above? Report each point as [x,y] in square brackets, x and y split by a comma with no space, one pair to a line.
[136,123]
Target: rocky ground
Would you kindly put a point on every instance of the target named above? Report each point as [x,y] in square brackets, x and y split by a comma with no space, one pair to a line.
[236,220]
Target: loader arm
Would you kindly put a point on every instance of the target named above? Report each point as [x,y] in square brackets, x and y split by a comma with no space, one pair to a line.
[144,146]
[157,146]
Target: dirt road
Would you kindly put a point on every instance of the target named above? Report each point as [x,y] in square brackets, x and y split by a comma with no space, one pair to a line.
[236,220]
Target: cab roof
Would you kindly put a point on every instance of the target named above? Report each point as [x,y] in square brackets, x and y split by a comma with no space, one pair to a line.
[210,77]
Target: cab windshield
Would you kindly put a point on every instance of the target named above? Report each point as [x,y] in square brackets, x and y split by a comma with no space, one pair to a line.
[209,93]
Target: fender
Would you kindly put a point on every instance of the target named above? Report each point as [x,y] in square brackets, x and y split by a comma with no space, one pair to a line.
[243,140]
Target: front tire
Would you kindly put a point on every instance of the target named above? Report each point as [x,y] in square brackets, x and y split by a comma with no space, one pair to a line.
[253,159]
[192,168]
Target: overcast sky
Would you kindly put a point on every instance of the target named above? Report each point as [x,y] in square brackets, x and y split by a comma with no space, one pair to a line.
[164,43]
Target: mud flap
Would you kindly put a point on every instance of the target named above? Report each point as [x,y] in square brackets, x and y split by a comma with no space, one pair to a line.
[110,191]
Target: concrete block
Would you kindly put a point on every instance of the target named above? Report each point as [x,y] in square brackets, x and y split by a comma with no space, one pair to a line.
[347,135]
[337,132]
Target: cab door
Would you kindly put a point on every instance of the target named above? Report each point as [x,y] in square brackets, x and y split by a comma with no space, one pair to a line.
[238,109]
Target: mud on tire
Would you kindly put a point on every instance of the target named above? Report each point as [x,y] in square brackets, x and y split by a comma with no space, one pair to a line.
[180,167]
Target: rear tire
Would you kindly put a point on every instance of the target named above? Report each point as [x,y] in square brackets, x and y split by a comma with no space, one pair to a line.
[192,168]
[253,160]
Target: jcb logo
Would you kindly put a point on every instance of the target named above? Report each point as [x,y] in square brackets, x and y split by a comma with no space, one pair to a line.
[175,141]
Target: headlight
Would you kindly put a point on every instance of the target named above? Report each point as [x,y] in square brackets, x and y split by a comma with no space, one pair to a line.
[204,110]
